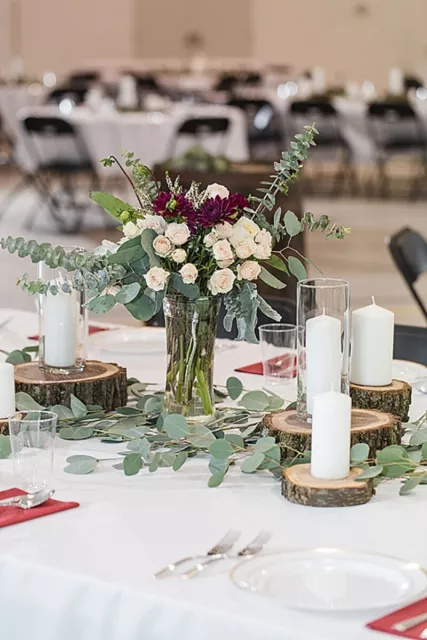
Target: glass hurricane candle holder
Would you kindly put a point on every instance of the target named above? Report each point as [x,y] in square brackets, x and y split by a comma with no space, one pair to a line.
[323,319]
[63,327]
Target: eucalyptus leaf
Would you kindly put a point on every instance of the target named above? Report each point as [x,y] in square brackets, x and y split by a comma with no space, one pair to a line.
[128,411]
[277,262]
[80,458]
[275,403]
[5,447]
[216,479]
[297,268]
[409,484]
[76,433]
[255,401]
[78,408]
[249,430]
[221,449]
[418,437]
[154,462]
[132,464]
[190,291]
[201,437]
[180,459]
[140,446]
[142,308]
[82,467]
[234,387]
[371,472]
[292,224]
[128,293]
[25,402]
[263,444]
[17,357]
[252,463]
[424,451]
[176,426]
[119,466]
[359,452]
[235,439]
[392,453]
[218,465]
[271,280]
[101,304]
[63,413]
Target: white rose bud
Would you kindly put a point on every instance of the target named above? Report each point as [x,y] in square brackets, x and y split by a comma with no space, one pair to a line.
[178,233]
[156,278]
[262,251]
[245,248]
[215,189]
[189,273]
[224,230]
[179,256]
[130,230]
[248,270]
[162,246]
[221,281]
[222,250]
[157,223]
[264,237]
[248,225]
[210,239]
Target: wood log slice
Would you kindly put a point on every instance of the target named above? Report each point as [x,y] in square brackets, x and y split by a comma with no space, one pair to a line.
[4,427]
[394,398]
[376,428]
[299,486]
[102,383]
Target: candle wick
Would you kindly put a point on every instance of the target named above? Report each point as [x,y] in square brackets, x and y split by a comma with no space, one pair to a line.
[373,300]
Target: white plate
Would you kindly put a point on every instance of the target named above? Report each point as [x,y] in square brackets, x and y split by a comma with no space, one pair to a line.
[143,341]
[408,371]
[331,579]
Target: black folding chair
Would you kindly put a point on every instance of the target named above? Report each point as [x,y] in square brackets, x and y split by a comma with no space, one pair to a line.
[199,129]
[409,252]
[410,343]
[75,93]
[83,77]
[265,128]
[396,130]
[64,165]
[330,142]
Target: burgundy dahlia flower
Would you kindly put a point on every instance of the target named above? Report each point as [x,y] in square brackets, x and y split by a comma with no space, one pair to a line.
[216,210]
[170,205]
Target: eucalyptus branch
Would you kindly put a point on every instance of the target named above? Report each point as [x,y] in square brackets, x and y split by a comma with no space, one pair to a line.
[109,161]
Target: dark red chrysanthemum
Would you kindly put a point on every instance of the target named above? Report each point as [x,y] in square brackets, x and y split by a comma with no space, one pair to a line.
[170,205]
[217,210]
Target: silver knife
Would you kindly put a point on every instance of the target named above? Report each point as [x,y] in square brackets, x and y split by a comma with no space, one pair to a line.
[409,623]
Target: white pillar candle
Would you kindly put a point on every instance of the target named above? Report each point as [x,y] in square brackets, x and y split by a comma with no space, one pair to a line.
[318,78]
[372,346]
[60,329]
[330,438]
[323,356]
[7,389]
[396,81]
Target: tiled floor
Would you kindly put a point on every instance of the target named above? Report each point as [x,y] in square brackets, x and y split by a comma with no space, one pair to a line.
[362,257]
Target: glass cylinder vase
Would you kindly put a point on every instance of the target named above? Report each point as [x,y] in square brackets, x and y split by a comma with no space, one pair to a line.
[63,327]
[323,318]
[190,338]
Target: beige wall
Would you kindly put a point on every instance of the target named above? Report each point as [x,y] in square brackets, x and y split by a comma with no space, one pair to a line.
[350,43]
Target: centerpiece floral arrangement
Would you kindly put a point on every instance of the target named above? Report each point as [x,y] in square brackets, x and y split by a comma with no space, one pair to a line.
[187,251]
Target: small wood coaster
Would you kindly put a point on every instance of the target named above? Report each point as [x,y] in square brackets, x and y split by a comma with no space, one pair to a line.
[299,486]
[394,398]
[376,428]
[102,383]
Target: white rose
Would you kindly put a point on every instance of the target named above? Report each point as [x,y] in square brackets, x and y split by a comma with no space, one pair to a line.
[248,225]
[248,270]
[189,273]
[130,230]
[215,189]
[221,281]
[156,278]
[162,246]
[225,263]
[157,223]
[210,239]
[222,250]
[224,230]
[245,248]
[264,237]
[179,256]
[178,233]
[262,251]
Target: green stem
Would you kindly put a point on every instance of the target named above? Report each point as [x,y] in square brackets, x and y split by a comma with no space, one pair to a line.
[203,390]
[181,370]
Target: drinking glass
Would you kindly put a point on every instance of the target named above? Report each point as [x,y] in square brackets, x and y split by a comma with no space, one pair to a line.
[323,313]
[279,355]
[63,327]
[32,437]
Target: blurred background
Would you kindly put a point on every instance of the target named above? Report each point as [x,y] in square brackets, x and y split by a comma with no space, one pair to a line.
[214,91]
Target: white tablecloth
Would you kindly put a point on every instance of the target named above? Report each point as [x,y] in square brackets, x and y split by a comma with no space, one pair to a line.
[149,135]
[86,574]
[15,98]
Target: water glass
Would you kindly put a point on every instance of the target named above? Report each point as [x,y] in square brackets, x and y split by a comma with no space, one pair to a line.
[32,437]
[279,354]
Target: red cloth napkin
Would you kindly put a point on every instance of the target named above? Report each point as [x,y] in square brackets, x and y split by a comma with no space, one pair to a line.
[278,364]
[92,329]
[386,623]
[14,515]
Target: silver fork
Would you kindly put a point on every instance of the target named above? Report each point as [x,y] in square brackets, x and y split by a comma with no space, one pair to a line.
[224,545]
[251,549]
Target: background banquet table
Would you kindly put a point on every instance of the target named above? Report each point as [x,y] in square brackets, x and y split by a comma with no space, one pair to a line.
[149,134]
[86,574]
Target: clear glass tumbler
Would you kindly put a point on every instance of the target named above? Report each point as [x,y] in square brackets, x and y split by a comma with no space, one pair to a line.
[279,355]
[63,327]
[323,314]
[32,438]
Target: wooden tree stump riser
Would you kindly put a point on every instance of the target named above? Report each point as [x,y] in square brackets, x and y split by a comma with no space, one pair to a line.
[394,398]
[99,383]
[4,427]
[375,428]
[300,487]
